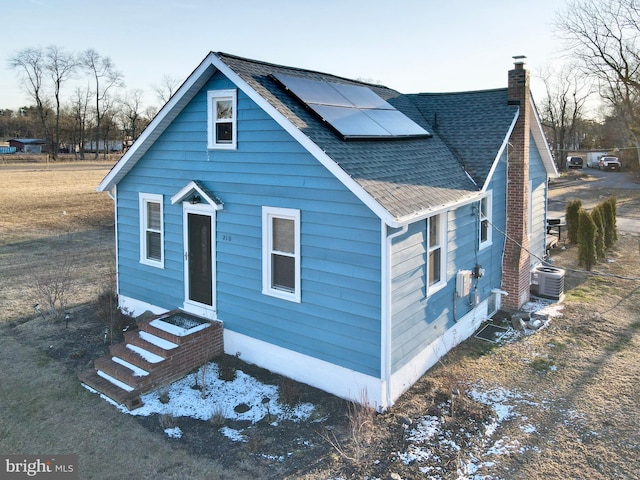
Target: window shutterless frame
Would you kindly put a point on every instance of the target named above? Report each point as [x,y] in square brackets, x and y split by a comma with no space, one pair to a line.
[151,229]
[222,117]
[281,253]
[485,218]
[436,274]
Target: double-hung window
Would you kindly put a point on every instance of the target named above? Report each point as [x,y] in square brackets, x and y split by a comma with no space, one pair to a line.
[436,252]
[222,116]
[151,230]
[484,234]
[281,253]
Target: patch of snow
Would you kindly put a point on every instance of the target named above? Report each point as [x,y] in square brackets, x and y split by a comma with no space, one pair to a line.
[174,432]
[221,397]
[528,428]
[175,330]
[147,355]
[233,434]
[157,341]
[115,381]
[543,307]
[503,447]
[137,371]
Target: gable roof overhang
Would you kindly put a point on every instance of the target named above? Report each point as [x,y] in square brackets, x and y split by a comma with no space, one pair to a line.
[541,144]
[195,188]
[183,96]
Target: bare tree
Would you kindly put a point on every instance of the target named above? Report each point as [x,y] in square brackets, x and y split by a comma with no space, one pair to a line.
[60,65]
[131,115]
[105,78]
[79,111]
[562,109]
[166,88]
[30,64]
[605,36]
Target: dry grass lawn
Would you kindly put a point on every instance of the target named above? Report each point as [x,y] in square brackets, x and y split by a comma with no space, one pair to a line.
[50,216]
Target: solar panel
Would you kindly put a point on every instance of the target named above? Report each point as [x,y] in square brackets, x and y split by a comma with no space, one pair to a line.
[361,97]
[354,111]
[350,122]
[313,91]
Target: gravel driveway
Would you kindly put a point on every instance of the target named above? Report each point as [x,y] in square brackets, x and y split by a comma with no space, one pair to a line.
[592,186]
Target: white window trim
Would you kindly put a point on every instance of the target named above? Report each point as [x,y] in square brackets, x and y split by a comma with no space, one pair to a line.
[442,244]
[212,96]
[268,213]
[144,199]
[489,199]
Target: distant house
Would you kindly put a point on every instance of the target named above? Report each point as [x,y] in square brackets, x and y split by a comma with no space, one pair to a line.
[28,145]
[344,234]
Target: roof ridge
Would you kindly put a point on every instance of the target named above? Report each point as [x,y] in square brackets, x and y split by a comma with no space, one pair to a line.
[221,55]
[465,92]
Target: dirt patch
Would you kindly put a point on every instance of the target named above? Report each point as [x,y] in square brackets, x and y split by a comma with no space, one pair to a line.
[560,402]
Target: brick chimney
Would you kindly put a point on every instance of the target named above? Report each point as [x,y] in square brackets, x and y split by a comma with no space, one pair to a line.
[516,276]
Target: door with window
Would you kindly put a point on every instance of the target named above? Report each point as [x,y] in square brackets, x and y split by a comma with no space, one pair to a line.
[199,258]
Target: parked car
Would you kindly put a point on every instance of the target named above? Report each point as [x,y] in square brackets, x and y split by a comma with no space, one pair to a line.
[575,162]
[609,163]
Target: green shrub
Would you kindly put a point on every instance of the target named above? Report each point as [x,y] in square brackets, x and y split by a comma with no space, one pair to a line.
[597,215]
[611,229]
[571,214]
[586,240]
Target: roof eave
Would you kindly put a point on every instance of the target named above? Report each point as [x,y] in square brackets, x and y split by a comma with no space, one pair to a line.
[542,144]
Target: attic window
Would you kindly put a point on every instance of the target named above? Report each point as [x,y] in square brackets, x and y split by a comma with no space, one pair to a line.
[222,114]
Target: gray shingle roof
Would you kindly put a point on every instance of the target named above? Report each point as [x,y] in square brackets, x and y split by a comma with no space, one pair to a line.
[407,177]
[473,124]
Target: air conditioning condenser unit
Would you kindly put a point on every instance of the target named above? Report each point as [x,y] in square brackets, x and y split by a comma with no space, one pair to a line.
[547,282]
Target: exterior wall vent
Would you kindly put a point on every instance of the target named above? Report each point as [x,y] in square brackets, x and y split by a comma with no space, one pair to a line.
[547,282]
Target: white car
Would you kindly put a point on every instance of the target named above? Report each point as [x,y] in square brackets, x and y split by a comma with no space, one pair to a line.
[609,163]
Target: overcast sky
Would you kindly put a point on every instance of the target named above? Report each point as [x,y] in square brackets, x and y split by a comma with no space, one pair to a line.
[409,45]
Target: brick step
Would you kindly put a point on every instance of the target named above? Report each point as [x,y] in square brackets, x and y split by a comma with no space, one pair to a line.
[164,329]
[134,338]
[119,372]
[166,355]
[139,360]
[107,388]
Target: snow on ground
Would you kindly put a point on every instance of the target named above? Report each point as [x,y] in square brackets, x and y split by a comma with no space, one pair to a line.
[220,398]
[428,438]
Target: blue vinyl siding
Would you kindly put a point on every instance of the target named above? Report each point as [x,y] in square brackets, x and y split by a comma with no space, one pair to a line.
[538,179]
[338,319]
[418,320]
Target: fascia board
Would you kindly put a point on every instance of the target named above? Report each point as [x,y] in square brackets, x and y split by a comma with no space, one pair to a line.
[542,144]
[505,143]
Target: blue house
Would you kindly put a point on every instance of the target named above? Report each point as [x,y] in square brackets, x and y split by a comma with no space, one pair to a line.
[344,234]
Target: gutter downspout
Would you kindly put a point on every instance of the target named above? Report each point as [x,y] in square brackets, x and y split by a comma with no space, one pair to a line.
[386,309]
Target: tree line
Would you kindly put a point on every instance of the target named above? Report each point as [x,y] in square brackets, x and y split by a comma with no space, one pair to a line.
[79,103]
[601,40]
[602,47]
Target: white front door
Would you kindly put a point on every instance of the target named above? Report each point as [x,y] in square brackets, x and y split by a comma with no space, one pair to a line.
[199,259]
